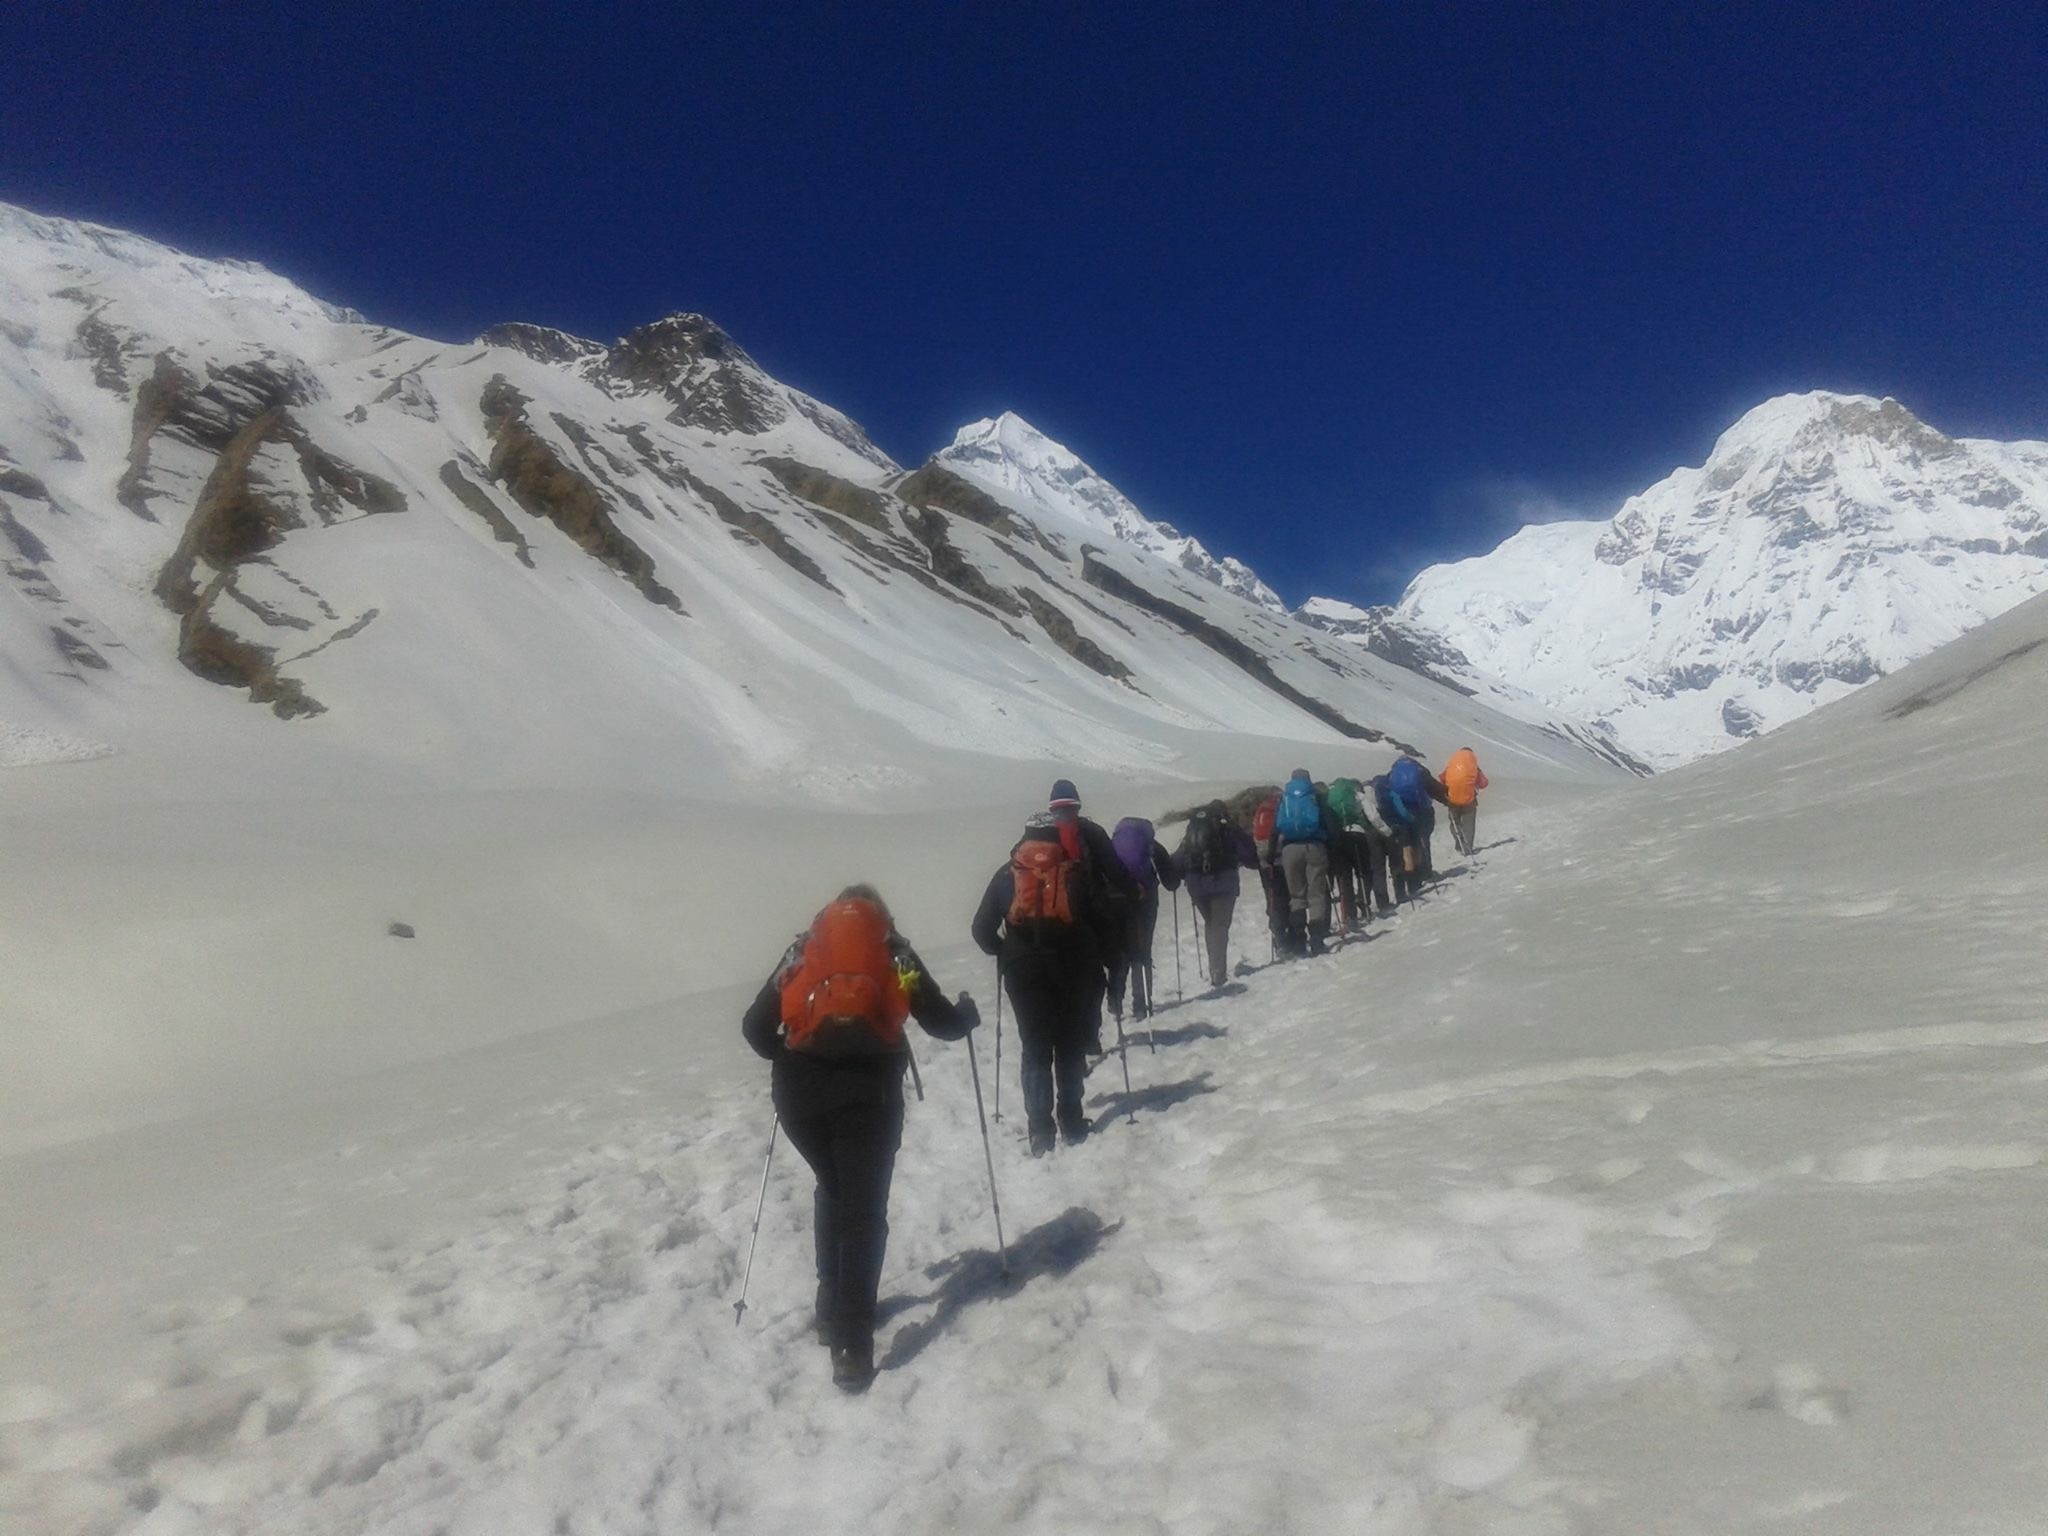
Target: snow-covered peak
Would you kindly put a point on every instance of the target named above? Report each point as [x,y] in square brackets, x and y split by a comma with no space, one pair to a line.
[33,239]
[1045,479]
[1827,540]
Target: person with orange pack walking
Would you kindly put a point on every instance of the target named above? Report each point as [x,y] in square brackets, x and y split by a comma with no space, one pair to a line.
[1463,779]
[830,1020]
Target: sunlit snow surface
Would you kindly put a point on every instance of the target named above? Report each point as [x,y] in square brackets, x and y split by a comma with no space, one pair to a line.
[1827,540]
[1677,1166]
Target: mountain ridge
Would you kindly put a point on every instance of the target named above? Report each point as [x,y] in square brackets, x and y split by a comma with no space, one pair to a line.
[536,558]
[1828,539]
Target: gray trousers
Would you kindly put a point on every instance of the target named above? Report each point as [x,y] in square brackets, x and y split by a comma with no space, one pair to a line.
[1465,826]
[1214,913]
[1307,868]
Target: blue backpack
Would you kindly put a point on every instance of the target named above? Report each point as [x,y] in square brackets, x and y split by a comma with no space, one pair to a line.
[1409,783]
[1300,819]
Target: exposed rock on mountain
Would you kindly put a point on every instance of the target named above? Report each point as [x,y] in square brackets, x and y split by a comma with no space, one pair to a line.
[537,559]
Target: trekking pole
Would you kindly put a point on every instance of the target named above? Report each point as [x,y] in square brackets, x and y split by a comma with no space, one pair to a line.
[739,1308]
[916,1077]
[1151,1012]
[999,1040]
[1123,1052]
[995,1200]
[1201,954]
[1177,997]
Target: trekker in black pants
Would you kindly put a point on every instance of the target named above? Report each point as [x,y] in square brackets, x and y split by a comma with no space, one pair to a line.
[1044,917]
[831,1021]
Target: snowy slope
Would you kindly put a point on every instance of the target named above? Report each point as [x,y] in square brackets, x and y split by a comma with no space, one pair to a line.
[1828,540]
[1677,1166]
[535,559]
[538,646]
[1026,468]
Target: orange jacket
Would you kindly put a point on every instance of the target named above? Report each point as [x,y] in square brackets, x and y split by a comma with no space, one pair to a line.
[1463,778]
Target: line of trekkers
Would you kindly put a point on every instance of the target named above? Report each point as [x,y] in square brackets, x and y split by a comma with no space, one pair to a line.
[1071,917]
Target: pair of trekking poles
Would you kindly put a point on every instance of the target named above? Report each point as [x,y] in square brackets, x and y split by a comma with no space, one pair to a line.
[739,1308]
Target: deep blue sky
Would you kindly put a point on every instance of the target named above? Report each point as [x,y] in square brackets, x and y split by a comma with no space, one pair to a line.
[1340,288]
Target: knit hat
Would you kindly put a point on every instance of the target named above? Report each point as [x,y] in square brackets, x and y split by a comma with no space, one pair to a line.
[1064,795]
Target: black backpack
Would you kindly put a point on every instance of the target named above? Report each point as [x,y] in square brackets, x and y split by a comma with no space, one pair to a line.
[1202,851]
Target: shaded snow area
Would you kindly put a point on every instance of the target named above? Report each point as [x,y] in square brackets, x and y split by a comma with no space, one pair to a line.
[1677,1165]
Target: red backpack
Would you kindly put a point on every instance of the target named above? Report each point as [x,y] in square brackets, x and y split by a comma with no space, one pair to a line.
[1042,875]
[1263,819]
[844,996]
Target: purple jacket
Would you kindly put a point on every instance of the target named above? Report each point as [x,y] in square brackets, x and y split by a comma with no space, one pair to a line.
[1238,844]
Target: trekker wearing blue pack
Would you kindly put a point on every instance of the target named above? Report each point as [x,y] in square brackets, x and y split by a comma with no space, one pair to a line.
[1302,833]
[1404,795]
[1149,865]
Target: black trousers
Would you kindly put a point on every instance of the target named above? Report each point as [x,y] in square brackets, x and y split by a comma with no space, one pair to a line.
[846,1120]
[1369,861]
[1057,1002]
[1344,878]
[1134,962]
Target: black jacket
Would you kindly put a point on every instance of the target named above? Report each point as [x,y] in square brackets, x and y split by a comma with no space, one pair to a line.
[937,1014]
[1102,896]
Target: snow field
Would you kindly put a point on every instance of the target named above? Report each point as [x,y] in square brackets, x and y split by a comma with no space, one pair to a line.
[1676,1166]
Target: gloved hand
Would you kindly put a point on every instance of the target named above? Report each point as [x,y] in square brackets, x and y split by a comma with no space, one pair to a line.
[970,1016]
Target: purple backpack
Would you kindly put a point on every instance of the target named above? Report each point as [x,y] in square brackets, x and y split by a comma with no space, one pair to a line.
[1133,840]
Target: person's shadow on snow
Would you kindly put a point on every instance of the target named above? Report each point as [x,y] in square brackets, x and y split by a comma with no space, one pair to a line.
[1180,1036]
[1115,1106]
[1054,1248]
[1206,995]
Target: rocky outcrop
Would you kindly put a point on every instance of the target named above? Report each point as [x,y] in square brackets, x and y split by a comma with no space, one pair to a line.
[1098,573]
[708,379]
[479,501]
[542,343]
[545,487]
[1069,639]
[937,488]
[233,522]
[829,491]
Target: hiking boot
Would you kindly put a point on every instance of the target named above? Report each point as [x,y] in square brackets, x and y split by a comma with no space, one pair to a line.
[1074,1132]
[1041,1142]
[853,1366]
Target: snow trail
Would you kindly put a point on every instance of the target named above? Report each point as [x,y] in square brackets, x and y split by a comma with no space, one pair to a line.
[1676,1165]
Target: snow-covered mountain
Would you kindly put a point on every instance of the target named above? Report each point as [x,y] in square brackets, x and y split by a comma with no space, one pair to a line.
[1827,540]
[1019,463]
[539,558]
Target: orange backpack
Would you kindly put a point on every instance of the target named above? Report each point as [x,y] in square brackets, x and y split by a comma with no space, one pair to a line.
[1042,884]
[844,996]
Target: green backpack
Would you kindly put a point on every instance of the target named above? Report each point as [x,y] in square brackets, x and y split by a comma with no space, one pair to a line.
[1344,802]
